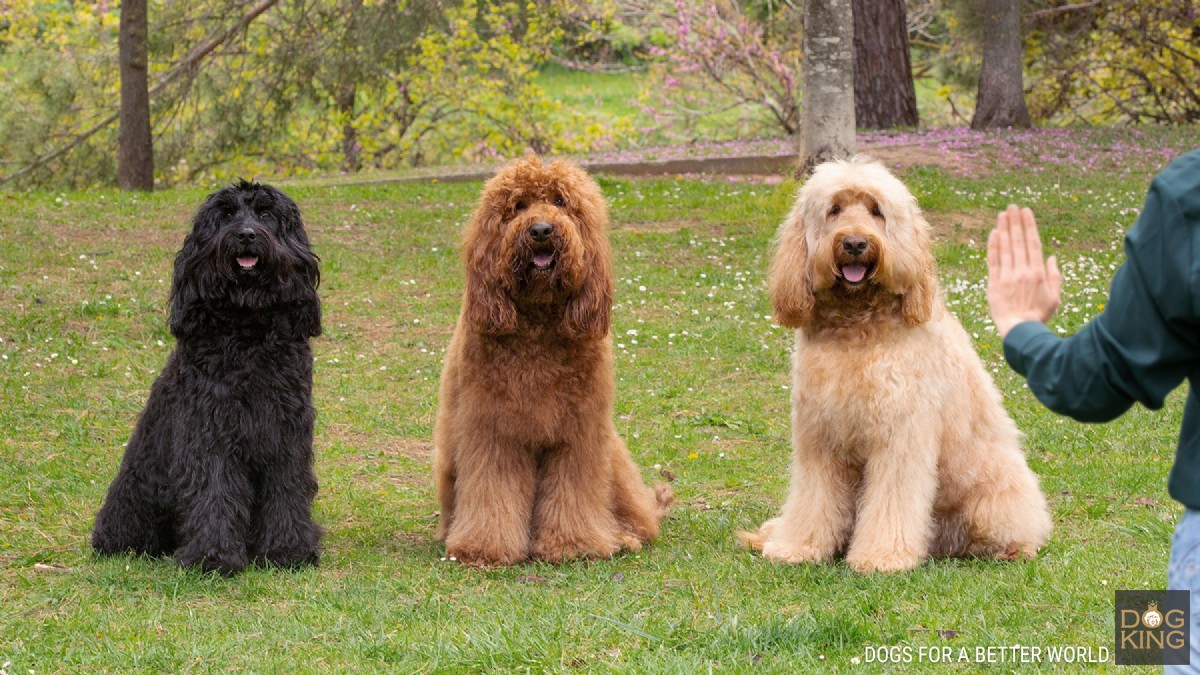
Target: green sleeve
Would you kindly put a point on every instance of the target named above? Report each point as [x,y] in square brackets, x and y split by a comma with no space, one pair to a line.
[1145,342]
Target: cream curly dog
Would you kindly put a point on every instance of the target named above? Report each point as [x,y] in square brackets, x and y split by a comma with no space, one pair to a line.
[901,445]
[527,460]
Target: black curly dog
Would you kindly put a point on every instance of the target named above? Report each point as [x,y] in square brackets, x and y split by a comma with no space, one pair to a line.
[219,470]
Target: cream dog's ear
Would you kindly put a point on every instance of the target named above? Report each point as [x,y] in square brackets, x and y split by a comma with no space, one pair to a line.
[919,276]
[789,281]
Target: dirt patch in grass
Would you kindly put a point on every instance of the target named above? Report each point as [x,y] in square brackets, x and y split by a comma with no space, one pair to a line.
[957,227]
[372,445]
[110,241]
[905,156]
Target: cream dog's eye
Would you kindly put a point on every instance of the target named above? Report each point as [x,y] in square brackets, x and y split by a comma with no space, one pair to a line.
[835,210]
[876,212]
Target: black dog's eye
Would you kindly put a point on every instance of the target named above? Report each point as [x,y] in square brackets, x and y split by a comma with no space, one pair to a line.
[836,209]
[560,202]
[266,215]
[876,212]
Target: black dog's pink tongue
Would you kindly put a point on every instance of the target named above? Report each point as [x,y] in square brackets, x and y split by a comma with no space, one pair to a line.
[247,262]
[543,259]
[854,273]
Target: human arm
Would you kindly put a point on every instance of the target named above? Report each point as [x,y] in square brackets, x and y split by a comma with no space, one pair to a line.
[1145,342]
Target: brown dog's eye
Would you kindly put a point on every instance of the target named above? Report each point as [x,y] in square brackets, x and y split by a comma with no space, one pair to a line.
[521,206]
[836,209]
[559,202]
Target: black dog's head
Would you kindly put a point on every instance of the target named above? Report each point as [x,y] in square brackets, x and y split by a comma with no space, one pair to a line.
[247,255]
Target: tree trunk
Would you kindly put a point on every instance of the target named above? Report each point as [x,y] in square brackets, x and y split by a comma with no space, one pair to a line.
[135,146]
[827,124]
[884,95]
[351,151]
[1001,99]
[346,88]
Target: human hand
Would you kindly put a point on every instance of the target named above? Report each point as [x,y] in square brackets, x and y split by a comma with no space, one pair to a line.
[1020,286]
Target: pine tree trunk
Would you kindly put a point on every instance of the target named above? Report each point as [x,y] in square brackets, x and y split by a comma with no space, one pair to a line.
[884,95]
[135,145]
[1001,99]
[827,124]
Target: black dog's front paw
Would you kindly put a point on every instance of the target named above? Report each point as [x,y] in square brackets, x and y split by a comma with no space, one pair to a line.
[211,559]
[288,559]
[296,551]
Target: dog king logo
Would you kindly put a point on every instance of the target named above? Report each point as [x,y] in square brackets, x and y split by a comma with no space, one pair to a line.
[1152,628]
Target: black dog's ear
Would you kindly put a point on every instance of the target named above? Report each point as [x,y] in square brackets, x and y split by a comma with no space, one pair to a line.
[192,275]
[306,265]
[184,315]
[308,315]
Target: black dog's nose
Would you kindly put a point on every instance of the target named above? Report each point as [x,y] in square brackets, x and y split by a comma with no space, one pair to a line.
[246,235]
[541,231]
[854,245]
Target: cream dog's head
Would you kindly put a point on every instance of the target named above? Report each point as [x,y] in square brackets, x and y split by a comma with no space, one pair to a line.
[854,241]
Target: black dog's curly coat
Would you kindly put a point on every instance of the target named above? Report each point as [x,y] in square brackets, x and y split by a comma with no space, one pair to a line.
[219,470]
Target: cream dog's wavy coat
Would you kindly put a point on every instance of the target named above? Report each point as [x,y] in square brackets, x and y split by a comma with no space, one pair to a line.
[901,445]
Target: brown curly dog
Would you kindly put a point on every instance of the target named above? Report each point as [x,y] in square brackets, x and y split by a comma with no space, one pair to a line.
[527,461]
[901,445]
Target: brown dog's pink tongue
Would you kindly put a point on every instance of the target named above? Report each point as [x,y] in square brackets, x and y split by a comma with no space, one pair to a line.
[543,259]
[854,273]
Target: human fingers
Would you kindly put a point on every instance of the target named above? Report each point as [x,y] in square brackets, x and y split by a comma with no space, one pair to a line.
[1003,245]
[1016,233]
[1033,241]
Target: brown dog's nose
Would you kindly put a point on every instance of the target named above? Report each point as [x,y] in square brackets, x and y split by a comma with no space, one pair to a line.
[541,231]
[854,245]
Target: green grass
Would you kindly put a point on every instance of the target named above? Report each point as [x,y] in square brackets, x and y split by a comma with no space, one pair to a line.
[701,394]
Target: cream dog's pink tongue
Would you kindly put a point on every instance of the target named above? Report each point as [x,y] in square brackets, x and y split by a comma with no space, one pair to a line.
[854,273]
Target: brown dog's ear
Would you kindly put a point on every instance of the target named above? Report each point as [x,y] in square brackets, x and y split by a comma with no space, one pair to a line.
[487,303]
[788,280]
[590,308]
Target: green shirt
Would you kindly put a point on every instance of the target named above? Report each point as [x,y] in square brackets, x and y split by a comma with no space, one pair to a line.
[1147,339]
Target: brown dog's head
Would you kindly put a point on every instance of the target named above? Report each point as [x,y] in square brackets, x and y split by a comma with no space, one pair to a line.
[854,231]
[537,245]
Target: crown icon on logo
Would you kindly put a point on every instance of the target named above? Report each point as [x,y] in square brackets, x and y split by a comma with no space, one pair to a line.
[1151,618]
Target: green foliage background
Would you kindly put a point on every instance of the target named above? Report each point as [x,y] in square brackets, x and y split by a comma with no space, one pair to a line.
[327,86]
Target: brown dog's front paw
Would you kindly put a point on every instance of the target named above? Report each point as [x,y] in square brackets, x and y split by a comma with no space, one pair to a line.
[560,549]
[479,552]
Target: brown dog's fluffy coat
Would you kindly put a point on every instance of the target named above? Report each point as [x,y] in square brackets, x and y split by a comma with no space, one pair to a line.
[901,445]
[527,460]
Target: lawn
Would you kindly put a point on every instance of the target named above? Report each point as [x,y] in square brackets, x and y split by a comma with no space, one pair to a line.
[701,398]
